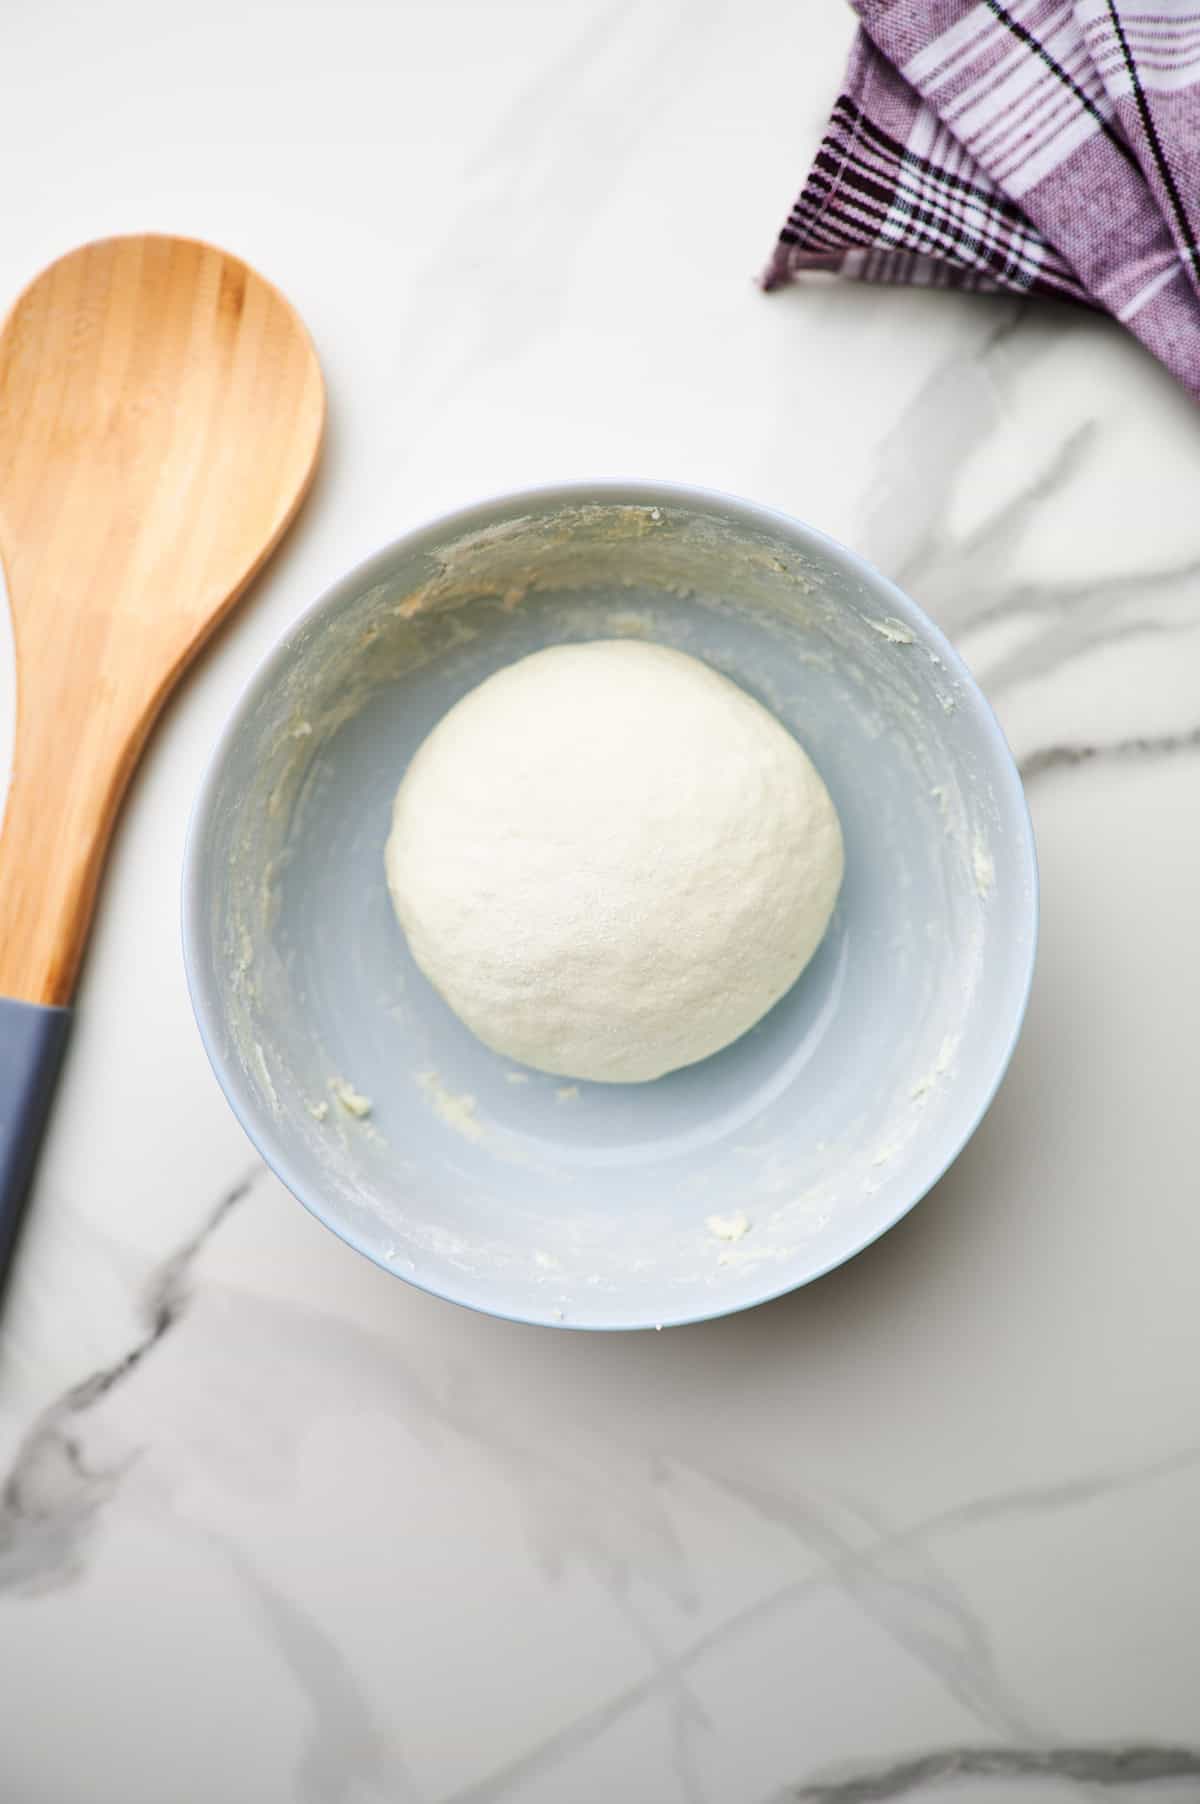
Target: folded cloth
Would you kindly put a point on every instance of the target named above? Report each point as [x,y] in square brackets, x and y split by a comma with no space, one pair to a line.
[1039,146]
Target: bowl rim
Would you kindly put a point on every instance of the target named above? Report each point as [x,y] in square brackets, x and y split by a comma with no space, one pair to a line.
[635,492]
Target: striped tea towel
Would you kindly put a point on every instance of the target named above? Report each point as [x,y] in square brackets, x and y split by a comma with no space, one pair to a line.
[1040,146]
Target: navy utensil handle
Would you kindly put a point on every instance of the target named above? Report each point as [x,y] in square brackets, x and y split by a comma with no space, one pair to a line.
[32,1040]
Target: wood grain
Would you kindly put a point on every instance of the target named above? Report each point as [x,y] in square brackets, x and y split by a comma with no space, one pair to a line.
[161,410]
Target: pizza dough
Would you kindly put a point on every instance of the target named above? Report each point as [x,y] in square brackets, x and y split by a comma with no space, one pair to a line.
[611,861]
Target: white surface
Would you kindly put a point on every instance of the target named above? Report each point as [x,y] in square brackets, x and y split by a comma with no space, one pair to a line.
[611,861]
[332,1542]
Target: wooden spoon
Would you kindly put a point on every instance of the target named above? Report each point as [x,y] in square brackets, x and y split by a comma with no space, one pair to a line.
[161,409]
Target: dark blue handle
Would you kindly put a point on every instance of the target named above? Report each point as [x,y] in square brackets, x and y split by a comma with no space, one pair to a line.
[31,1049]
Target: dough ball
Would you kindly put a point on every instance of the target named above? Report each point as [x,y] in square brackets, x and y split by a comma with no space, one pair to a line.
[611,861]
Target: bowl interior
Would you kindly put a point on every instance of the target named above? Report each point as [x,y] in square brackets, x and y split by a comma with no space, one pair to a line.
[589,1204]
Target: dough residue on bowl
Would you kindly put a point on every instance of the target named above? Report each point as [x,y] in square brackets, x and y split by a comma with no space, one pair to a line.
[456,1110]
[537,576]
[728,1227]
[352,1100]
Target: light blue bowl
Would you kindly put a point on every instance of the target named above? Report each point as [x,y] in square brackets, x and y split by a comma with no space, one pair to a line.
[588,1206]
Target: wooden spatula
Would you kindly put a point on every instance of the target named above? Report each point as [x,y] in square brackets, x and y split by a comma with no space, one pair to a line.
[161,409]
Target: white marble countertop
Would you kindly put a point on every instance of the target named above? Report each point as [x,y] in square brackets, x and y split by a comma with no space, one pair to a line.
[275,1527]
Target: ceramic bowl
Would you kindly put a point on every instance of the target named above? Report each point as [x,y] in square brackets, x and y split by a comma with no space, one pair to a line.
[585,1205]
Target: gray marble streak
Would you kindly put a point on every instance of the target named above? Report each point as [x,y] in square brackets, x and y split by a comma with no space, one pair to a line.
[346,1758]
[958,576]
[964,579]
[949,416]
[1077,617]
[587,1728]
[601,94]
[688,1716]
[1030,1502]
[992,601]
[573,1496]
[1132,1763]
[1074,638]
[555,1749]
[1137,750]
[580,1503]
[52,1494]
[1048,1499]
[899,1585]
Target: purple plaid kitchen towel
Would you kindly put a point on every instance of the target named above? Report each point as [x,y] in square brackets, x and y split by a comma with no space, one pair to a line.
[1043,147]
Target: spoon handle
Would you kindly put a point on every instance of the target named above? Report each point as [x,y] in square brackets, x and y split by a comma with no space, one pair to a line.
[32,1041]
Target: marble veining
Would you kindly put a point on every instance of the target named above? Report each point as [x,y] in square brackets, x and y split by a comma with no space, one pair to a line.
[53,1490]
[1054,757]
[899,1575]
[1087,1767]
[275,1526]
[345,1748]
